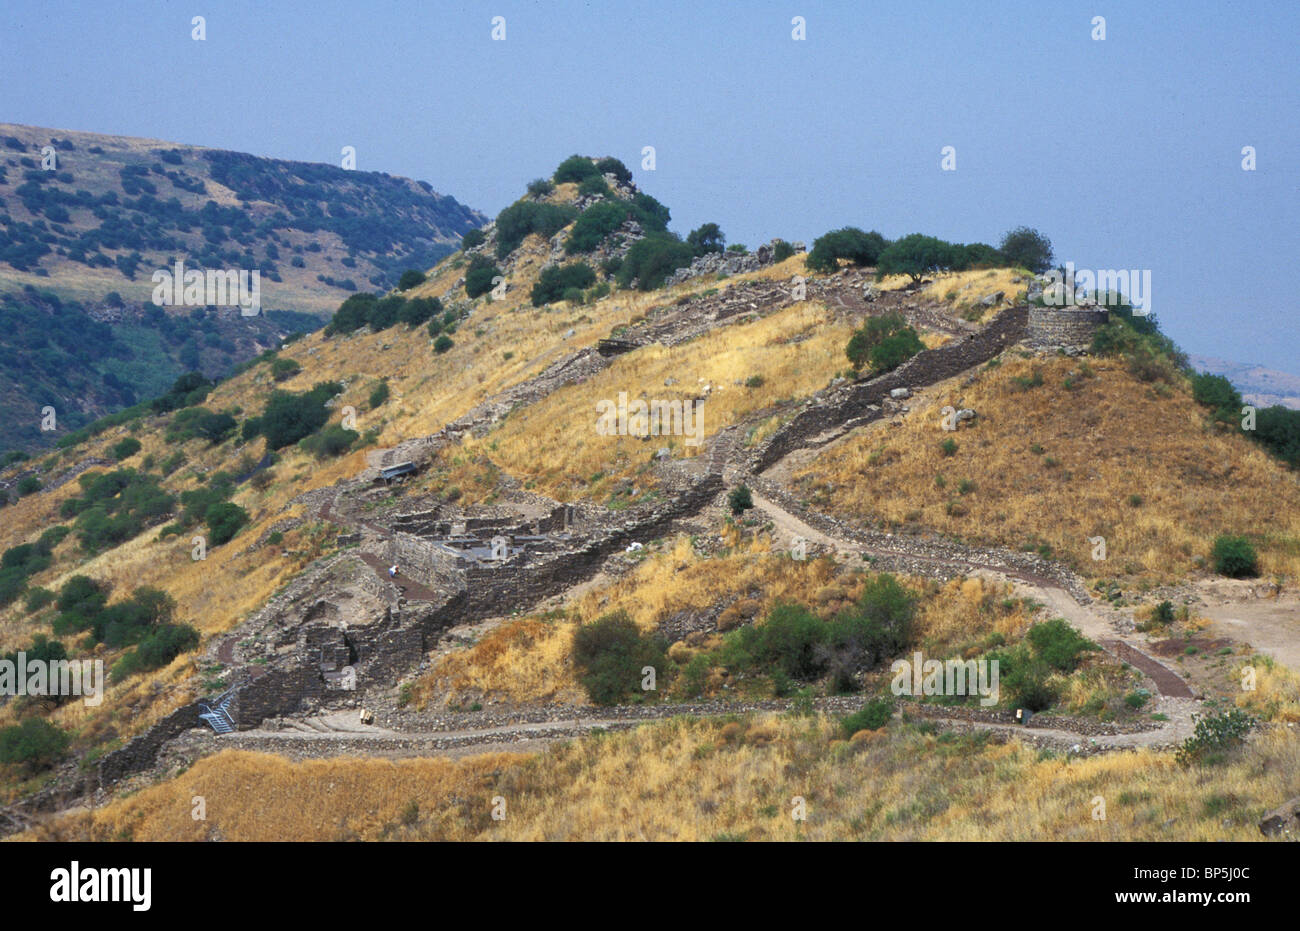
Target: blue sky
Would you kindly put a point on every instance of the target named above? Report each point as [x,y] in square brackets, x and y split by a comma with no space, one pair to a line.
[1126,152]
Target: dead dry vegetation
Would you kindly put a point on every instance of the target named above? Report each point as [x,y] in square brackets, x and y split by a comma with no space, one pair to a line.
[712,780]
[1091,451]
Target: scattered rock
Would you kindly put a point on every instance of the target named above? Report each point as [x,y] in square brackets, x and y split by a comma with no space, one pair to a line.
[897,393]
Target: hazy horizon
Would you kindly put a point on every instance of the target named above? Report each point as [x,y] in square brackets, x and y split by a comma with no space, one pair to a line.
[1125,152]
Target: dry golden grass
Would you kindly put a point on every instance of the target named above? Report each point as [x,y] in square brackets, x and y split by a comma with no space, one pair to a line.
[697,780]
[1060,466]
[554,445]
[530,659]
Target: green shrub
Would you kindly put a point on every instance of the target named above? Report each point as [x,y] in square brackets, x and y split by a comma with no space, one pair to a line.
[873,331]
[1214,735]
[411,278]
[472,239]
[126,448]
[38,598]
[610,653]
[594,186]
[352,315]
[1058,644]
[525,217]
[334,440]
[871,716]
[28,485]
[556,279]
[479,277]
[282,369]
[224,519]
[1025,677]
[576,168]
[612,166]
[1235,557]
[739,500]
[34,745]
[782,251]
[596,223]
[417,310]
[442,344]
[380,394]
[651,260]
[290,417]
[540,187]
[894,350]
[162,645]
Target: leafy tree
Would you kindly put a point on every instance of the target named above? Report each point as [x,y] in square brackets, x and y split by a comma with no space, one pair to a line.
[352,315]
[850,243]
[472,239]
[918,255]
[540,187]
[1027,248]
[707,238]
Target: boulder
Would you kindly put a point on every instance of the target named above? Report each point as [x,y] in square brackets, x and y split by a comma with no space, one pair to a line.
[898,393]
[992,300]
[1282,821]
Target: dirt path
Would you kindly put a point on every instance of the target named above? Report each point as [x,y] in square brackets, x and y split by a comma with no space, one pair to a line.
[1089,622]
[1270,625]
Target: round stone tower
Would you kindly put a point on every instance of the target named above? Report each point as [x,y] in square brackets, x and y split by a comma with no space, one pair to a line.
[1069,327]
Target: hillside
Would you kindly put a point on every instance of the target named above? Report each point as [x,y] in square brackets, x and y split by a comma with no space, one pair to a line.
[1260,386]
[240,547]
[116,208]
[79,244]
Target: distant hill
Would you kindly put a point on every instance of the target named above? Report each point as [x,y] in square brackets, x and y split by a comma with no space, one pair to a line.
[1258,385]
[114,209]
[86,220]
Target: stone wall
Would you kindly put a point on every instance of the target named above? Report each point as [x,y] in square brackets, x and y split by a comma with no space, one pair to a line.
[854,402]
[1064,326]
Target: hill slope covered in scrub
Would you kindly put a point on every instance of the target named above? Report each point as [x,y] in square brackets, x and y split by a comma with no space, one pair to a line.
[825,524]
